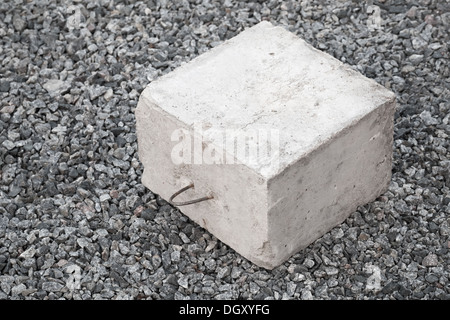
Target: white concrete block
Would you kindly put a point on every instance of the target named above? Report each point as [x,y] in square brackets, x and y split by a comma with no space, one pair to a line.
[286,139]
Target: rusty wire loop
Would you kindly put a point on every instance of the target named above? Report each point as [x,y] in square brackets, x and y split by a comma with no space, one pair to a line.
[184,203]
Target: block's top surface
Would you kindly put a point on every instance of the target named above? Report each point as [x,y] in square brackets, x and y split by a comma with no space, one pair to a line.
[267,78]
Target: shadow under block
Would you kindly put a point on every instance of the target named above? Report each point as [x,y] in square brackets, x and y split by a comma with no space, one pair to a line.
[322,133]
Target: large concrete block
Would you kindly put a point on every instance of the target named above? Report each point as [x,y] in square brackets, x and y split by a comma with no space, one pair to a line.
[287,141]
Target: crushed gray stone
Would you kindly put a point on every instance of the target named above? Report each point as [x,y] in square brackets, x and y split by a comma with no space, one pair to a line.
[75,220]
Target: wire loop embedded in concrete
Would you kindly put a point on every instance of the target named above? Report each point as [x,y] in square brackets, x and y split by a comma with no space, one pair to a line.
[184,203]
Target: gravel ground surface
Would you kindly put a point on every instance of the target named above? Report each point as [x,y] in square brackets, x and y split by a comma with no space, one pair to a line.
[75,220]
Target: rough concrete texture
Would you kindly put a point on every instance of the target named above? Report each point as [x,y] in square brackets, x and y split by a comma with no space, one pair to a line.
[333,129]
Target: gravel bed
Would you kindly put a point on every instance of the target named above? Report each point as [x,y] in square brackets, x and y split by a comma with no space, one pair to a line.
[75,220]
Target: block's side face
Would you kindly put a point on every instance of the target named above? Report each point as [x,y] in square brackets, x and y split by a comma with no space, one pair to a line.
[322,189]
[237,213]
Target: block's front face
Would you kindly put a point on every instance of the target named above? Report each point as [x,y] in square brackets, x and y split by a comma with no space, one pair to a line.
[236,213]
[332,125]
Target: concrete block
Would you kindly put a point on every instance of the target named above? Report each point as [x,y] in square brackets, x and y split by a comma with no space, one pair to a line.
[287,141]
